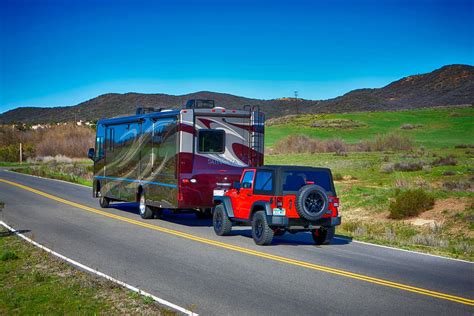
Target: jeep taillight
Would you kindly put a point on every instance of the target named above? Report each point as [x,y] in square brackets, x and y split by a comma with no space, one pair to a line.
[334,201]
[333,205]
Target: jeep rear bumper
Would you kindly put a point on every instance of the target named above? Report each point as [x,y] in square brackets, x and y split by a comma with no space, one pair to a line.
[282,221]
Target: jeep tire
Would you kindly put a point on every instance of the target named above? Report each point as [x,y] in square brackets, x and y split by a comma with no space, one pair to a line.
[220,221]
[323,235]
[262,233]
[146,211]
[311,202]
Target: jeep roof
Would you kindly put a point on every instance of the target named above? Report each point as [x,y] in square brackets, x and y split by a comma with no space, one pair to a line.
[299,175]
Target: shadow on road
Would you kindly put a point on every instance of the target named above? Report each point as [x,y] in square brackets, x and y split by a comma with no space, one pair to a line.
[190,219]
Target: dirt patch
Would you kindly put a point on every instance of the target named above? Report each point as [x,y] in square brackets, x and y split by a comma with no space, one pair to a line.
[445,214]
[445,208]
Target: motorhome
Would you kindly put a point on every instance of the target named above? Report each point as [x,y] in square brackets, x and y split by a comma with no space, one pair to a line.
[175,158]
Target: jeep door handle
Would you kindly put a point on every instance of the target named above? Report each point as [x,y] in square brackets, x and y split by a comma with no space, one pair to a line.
[248,194]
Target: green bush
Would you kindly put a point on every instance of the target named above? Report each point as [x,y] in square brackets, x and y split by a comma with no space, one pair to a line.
[410,203]
[8,255]
[11,153]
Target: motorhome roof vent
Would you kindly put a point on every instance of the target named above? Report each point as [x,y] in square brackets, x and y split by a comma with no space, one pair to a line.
[200,104]
[143,110]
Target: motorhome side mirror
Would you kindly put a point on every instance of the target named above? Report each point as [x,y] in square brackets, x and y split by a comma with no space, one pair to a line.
[91,153]
[237,185]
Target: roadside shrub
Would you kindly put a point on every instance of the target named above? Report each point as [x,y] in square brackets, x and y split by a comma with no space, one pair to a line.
[8,255]
[336,145]
[445,161]
[457,186]
[71,141]
[410,203]
[389,142]
[305,144]
[337,123]
[387,168]
[408,166]
[464,146]
[410,126]
[11,153]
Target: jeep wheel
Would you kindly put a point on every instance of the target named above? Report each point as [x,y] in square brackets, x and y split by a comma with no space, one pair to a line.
[262,233]
[145,210]
[311,202]
[221,222]
[104,201]
[323,235]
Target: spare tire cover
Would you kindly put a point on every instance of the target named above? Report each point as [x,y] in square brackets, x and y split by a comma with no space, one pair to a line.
[312,202]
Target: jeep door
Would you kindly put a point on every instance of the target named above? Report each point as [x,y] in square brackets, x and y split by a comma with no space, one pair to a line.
[243,199]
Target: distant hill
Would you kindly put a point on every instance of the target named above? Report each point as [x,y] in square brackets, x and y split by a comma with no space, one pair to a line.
[449,85]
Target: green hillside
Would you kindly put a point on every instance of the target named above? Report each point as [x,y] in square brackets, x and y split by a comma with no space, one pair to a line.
[433,128]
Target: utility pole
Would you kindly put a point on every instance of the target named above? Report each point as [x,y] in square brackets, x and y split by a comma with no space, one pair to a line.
[296,102]
[21,153]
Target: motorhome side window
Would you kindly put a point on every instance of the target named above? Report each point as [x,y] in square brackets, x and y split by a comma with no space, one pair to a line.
[99,145]
[164,141]
[211,141]
[110,140]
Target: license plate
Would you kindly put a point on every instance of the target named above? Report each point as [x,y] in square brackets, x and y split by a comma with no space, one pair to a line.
[279,211]
[219,192]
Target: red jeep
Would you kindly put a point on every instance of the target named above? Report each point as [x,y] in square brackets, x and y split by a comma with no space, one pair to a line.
[279,199]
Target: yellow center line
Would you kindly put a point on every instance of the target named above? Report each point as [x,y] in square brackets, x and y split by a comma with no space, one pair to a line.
[256,253]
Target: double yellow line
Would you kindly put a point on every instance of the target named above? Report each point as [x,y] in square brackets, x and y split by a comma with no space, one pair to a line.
[255,253]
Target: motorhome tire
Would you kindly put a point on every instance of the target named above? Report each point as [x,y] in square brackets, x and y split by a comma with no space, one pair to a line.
[104,201]
[145,210]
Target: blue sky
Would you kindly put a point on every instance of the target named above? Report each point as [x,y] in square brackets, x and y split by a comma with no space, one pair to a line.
[64,52]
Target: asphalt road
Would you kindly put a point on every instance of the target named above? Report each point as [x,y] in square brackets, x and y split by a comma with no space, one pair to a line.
[231,275]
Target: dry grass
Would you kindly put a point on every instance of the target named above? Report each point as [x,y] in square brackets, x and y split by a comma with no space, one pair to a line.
[305,144]
[445,161]
[67,140]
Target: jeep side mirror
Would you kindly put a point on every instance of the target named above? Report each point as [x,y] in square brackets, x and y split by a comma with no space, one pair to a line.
[90,153]
[237,185]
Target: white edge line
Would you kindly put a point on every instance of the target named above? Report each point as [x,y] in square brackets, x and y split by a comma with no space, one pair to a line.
[401,249]
[340,238]
[82,266]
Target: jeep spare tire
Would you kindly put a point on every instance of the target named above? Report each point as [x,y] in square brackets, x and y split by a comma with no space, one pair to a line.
[312,202]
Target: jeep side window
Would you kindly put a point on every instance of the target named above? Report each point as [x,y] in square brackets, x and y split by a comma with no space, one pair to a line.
[264,182]
[247,180]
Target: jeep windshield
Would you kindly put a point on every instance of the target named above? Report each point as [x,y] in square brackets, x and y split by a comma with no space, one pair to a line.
[293,180]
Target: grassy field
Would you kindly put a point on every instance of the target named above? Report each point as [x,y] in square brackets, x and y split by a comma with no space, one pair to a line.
[80,173]
[444,127]
[367,182]
[34,282]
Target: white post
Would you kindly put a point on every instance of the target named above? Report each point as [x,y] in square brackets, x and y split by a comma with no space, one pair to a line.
[21,153]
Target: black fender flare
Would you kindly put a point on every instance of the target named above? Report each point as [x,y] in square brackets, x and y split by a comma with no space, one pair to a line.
[95,186]
[261,204]
[225,201]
